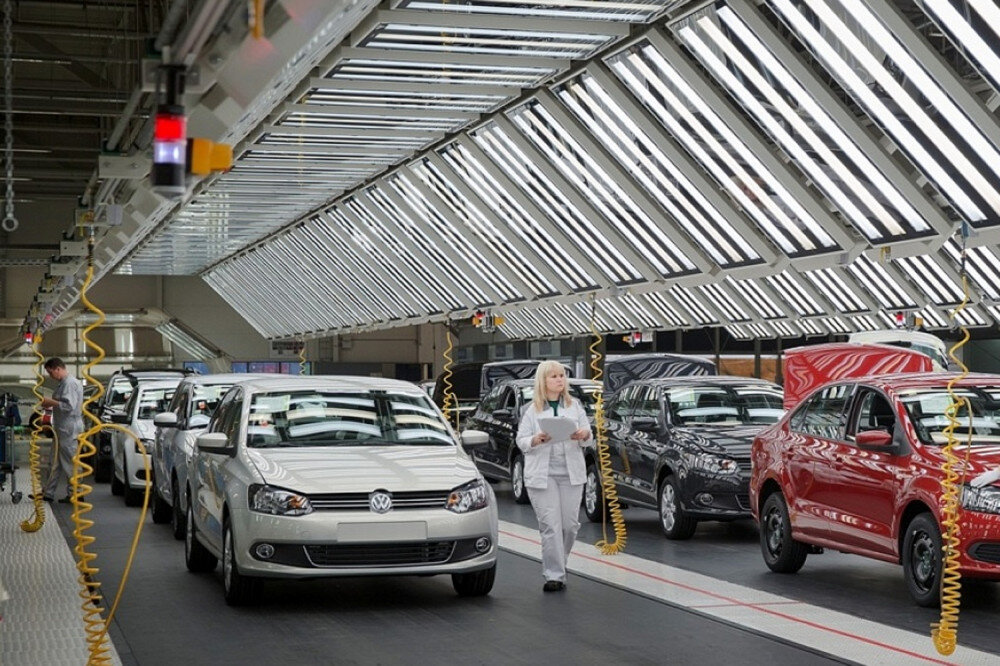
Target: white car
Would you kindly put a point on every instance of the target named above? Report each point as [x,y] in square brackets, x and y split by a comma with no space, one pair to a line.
[128,475]
[302,477]
[186,417]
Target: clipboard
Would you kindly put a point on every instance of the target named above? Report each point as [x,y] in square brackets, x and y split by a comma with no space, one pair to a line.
[559,428]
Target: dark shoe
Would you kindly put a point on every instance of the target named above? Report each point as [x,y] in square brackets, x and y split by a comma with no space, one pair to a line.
[63,500]
[553,586]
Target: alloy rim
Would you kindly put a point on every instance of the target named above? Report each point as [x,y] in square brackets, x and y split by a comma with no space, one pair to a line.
[517,477]
[923,560]
[773,533]
[668,507]
[590,493]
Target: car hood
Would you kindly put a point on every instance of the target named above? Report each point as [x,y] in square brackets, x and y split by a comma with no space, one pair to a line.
[364,468]
[981,459]
[734,441]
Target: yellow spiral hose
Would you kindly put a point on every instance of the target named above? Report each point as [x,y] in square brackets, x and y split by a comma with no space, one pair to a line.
[36,521]
[450,405]
[944,633]
[302,358]
[608,490]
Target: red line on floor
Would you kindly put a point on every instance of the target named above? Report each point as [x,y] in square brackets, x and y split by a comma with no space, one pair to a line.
[737,602]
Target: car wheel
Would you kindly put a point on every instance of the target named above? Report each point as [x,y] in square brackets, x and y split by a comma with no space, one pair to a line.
[676,524]
[474,583]
[103,469]
[239,589]
[197,558]
[782,553]
[161,510]
[593,495]
[177,519]
[922,560]
[117,487]
[517,480]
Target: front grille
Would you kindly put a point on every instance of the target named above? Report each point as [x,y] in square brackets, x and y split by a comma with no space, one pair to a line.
[424,499]
[380,554]
[744,466]
[986,552]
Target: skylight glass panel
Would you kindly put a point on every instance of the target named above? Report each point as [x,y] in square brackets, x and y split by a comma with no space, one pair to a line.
[969,316]
[994,311]
[332,272]
[600,10]
[809,327]
[419,96]
[469,293]
[481,230]
[640,316]
[451,237]
[689,208]
[535,184]
[829,282]
[301,285]
[981,265]
[877,281]
[587,312]
[362,68]
[896,90]
[725,303]
[788,287]
[720,150]
[869,323]
[485,40]
[519,222]
[974,27]
[690,302]
[756,298]
[933,319]
[241,299]
[837,325]
[601,190]
[266,281]
[931,279]
[738,332]
[762,330]
[789,114]
[612,311]
[318,118]
[670,316]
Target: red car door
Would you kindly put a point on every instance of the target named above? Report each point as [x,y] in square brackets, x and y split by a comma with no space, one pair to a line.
[864,482]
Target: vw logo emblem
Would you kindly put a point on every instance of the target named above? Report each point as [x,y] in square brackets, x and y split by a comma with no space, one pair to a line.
[380,501]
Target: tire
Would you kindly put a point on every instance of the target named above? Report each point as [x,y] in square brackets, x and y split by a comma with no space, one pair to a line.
[676,525]
[178,521]
[923,560]
[197,558]
[517,480]
[103,469]
[161,510]
[239,590]
[593,495]
[133,497]
[782,553]
[474,583]
[117,487]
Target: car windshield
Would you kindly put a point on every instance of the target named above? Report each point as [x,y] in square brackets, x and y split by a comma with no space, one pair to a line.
[719,405]
[927,410]
[344,418]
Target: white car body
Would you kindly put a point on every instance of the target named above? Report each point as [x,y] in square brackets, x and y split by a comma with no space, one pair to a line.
[414,462]
[129,464]
[175,443]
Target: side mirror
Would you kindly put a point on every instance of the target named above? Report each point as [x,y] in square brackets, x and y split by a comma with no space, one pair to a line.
[874,439]
[214,442]
[474,439]
[198,421]
[165,420]
[646,423]
[502,414]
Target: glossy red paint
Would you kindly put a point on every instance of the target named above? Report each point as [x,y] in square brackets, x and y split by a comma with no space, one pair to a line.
[806,368]
[844,495]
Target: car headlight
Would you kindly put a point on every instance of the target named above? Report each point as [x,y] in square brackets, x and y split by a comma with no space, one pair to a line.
[468,497]
[715,464]
[984,500]
[277,501]
[148,443]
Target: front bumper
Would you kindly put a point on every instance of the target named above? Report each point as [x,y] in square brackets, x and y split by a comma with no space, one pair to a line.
[707,496]
[980,545]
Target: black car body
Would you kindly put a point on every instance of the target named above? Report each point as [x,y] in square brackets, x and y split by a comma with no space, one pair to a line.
[681,445]
[111,406]
[619,371]
[499,414]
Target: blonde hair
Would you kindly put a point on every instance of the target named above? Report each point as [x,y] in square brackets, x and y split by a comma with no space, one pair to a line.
[546,368]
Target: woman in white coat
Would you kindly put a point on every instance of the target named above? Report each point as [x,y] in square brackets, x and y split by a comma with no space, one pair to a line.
[554,469]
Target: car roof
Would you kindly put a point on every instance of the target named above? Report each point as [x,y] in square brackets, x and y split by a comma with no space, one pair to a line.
[710,380]
[530,381]
[908,380]
[265,383]
[221,378]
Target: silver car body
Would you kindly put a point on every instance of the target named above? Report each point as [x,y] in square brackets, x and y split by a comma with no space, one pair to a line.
[345,484]
[129,465]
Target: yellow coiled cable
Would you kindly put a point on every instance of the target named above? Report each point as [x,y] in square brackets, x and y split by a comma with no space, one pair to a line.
[302,358]
[36,521]
[944,633]
[450,405]
[608,490]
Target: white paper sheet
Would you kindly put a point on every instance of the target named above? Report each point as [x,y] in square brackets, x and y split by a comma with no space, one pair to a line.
[559,428]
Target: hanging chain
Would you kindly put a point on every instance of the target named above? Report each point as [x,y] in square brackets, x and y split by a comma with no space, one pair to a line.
[9,221]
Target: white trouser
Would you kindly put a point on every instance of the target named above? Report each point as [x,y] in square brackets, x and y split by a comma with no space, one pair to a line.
[557,507]
[61,465]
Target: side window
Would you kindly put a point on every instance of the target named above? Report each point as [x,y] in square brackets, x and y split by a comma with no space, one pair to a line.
[823,414]
[619,409]
[231,426]
[874,412]
[489,403]
[179,404]
[507,400]
[218,419]
[647,402]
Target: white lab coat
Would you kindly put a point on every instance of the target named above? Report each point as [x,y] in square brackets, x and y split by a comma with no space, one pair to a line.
[536,458]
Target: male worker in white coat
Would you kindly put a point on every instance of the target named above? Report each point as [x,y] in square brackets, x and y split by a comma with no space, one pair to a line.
[67,422]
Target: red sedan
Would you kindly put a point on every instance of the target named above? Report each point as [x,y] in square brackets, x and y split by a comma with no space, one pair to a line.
[857,467]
